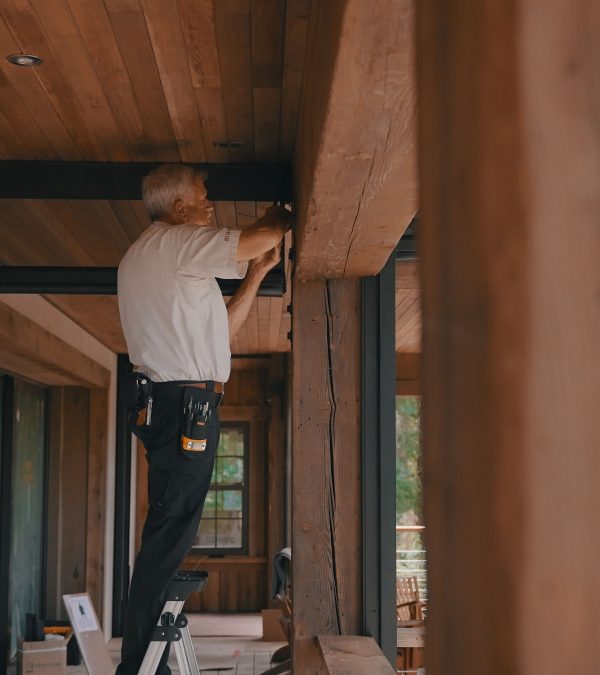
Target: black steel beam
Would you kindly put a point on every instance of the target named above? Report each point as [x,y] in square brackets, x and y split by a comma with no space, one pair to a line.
[103,281]
[122,180]
[122,499]
[379,458]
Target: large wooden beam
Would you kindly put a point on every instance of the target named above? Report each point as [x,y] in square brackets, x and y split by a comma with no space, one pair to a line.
[510,206]
[355,167]
[326,485]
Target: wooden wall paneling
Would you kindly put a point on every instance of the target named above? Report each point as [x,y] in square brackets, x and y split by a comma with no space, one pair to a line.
[96,496]
[235,56]
[276,463]
[296,31]
[74,87]
[263,306]
[141,491]
[256,493]
[129,25]
[29,33]
[326,476]
[355,165]
[20,120]
[164,27]
[103,50]
[252,327]
[73,515]
[29,90]
[42,356]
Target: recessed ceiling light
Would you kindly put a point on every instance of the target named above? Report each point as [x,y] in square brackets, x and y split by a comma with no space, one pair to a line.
[25,59]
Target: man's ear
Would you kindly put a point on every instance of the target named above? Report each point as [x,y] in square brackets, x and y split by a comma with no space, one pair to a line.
[179,209]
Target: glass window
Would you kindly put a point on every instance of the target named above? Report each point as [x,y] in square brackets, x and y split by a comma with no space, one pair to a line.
[224,520]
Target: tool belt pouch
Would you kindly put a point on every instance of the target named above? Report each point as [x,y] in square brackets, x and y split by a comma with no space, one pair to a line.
[196,417]
[139,401]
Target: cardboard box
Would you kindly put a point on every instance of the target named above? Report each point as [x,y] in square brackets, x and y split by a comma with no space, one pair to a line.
[48,657]
[272,628]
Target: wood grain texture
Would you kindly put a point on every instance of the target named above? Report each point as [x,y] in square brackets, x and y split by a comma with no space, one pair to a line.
[408,308]
[326,518]
[355,165]
[96,496]
[29,350]
[352,655]
[510,160]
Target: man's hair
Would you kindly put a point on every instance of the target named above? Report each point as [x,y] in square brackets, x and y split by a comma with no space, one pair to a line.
[164,185]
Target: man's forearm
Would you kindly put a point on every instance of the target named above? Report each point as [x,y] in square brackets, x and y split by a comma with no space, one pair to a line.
[241,301]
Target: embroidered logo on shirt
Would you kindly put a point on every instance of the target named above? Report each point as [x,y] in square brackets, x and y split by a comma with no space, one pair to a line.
[227,235]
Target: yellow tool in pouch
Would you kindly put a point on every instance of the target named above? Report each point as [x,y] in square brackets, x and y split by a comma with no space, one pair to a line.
[196,414]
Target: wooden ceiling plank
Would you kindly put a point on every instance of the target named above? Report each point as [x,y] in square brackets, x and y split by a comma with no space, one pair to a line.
[252,328]
[129,26]
[199,29]
[211,108]
[24,216]
[267,115]
[140,211]
[409,303]
[127,216]
[34,144]
[168,43]
[110,224]
[355,160]
[225,214]
[263,307]
[245,214]
[98,315]
[296,31]
[407,275]
[90,232]
[235,56]
[101,44]
[10,143]
[29,90]
[29,32]
[275,311]
[80,82]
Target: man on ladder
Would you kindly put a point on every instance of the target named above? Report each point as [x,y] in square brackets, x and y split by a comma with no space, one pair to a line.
[178,331]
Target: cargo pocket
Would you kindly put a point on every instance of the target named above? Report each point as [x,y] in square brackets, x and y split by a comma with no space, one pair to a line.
[171,493]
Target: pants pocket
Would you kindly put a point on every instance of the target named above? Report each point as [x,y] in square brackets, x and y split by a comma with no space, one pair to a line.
[176,494]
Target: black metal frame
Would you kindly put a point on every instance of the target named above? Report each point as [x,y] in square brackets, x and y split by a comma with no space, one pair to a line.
[122,180]
[122,500]
[5,520]
[103,281]
[379,458]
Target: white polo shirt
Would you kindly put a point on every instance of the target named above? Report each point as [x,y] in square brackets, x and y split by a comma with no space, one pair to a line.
[172,311]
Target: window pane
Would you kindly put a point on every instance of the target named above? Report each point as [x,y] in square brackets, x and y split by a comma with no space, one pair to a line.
[232,442]
[206,534]
[229,533]
[210,504]
[231,470]
[229,504]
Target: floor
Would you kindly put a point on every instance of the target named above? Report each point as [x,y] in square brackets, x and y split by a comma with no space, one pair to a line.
[225,644]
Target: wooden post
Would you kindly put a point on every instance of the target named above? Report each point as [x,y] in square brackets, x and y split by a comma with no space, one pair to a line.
[509,209]
[326,495]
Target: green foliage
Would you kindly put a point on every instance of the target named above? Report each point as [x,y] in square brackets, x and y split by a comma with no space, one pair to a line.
[408,460]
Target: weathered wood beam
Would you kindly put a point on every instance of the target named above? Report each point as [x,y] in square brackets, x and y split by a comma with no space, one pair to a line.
[510,163]
[29,350]
[326,480]
[123,180]
[353,655]
[355,164]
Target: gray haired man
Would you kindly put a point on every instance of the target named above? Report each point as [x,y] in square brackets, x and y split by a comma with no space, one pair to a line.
[178,332]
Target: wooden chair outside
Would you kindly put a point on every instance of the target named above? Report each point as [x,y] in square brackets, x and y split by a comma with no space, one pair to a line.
[410,634]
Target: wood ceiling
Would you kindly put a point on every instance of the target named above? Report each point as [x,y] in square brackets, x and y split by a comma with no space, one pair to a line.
[145,80]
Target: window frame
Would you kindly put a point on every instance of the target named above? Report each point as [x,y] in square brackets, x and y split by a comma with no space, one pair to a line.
[219,552]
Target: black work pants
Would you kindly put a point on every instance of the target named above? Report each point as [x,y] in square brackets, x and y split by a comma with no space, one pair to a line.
[177,487]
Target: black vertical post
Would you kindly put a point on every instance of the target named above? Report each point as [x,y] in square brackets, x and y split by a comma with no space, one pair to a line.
[6,454]
[379,458]
[122,500]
